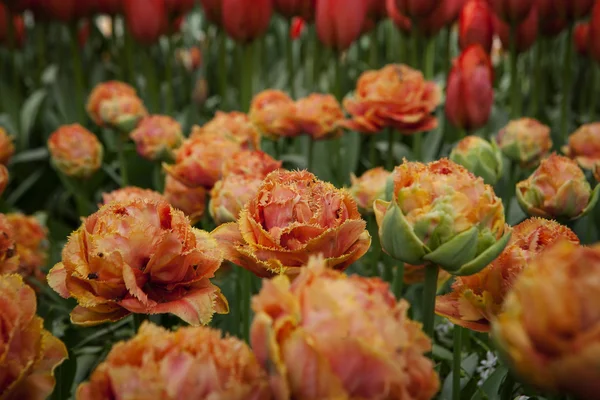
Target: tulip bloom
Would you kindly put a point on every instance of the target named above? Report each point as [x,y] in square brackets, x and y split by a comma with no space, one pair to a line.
[75,151]
[297,27]
[146,19]
[111,7]
[9,259]
[476,25]
[213,10]
[526,33]
[401,21]
[477,299]
[548,328]
[31,245]
[4,178]
[512,10]
[525,141]
[7,148]
[479,156]
[416,9]
[470,94]
[273,112]
[192,201]
[29,353]
[369,187]
[331,336]
[558,188]
[444,14]
[395,96]
[584,145]
[293,216]
[375,11]
[115,104]
[340,22]
[245,20]
[441,213]
[581,38]
[129,193]
[234,126]
[319,115]
[230,195]
[190,363]
[250,163]
[304,9]
[18,28]
[552,17]
[157,136]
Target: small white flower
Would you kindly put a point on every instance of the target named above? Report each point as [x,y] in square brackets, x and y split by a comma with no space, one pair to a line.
[522,398]
[486,367]
[444,328]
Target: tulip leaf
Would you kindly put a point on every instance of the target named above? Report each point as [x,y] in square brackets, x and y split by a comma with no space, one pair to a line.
[29,114]
[398,238]
[592,202]
[453,254]
[485,258]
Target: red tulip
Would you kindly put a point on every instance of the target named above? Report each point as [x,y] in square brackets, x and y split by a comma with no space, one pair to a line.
[62,10]
[527,31]
[146,19]
[470,95]
[179,7]
[401,21]
[111,7]
[444,14]
[340,22]
[213,10]
[512,10]
[296,8]
[594,45]
[83,34]
[18,28]
[416,8]
[581,37]
[245,20]
[375,12]
[564,9]
[16,6]
[552,20]
[297,27]
[476,25]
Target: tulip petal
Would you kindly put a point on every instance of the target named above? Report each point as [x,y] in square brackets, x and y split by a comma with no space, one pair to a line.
[397,237]
[485,258]
[592,203]
[447,306]
[229,238]
[57,278]
[97,315]
[459,250]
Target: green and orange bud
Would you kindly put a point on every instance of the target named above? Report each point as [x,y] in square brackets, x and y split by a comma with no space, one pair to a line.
[115,104]
[477,299]
[29,353]
[235,126]
[395,96]
[525,141]
[250,163]
[369,187]
[190,363]
[198,162]
[273,113]
[156,137]
[31,245]
[584,145]
[9,259]
[192,201]
[7,147]
[229,196]
[4,178]
[441,214]
[75,151]
[548,328]
[331,336]
[129,193]
[557,189]
[139,256]
[293,216]
[479,156]
[319,115]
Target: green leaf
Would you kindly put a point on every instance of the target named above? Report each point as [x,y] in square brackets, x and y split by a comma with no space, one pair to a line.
[31,155]
[441,353]
[29,113]
[24,187]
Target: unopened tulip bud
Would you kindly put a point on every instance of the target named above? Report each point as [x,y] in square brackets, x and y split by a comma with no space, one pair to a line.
[479,156]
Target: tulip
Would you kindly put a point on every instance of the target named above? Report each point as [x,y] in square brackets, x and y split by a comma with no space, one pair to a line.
[526,31]
[111,7]
[199,160]
[444,14]
[4,178]
[375,11]
[115,104]
[179,7]
[146,19]
[440,213]
[581,38]
[192,201]
[512,11]
[245,20]
[213,10]
[401,21]
[16,6]
[29,353]
[272,113]
[547,330]
[9,259]
[253,163]
[293,216]
[230,195]
[339,23]
[66,10]
[18,28]
[369,187]
[139,256]
[332,336]
[596,172]
[191,363]
[552,20]
[416,9]
[297,27]
[304,9]
[584,145]
[395,96]
[476,25]
[234,126]
[157,137]
[129,193]
[31,245]
[7,148]
[319,115]
[479,156]
[477,299]
[558,188]
[525,141]
[470,94]
[75,151]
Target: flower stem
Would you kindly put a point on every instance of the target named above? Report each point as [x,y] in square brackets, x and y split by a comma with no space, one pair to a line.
[373,150]
[418,145]
[515,95]
[456,362]
[122,159]
[593,84]
[398,283]
[430,59]
[414,51]
[169,76]
[316,59]
[311,151]
[151,82]
[289,55]
[375,245]
[247,77]
[41,50]
[138,319]
[390,148]
[507,387]
[338,149]
[158,178]
[448,48]
[373,50]
[78,73]
[245,293]
[564,114]
[222,67]
[537,79]
[429,293]
[129,64]
[391,42]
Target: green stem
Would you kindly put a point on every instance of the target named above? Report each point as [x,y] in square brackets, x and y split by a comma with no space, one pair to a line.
[398,283]
[564,114]
[316,62]
[417,145]
[311,151]
[158,178]
[537,79]
[247,76]
[507,387]
[41,50]
[16,76]
[129,64]
[138,319]
[429,293]
[430,59]
[169,76]
[74,187]
[391,161]
[78,73]
[222,67]
[122,159]
[338,150]
[373,150]
[373,50]
[289,55]
[448,48]
[245,294]
[391,42]
[403,48]
[375,245]
[513,171]
[456,362]
[515,90]
[151,82]
[414,51]
[593,84]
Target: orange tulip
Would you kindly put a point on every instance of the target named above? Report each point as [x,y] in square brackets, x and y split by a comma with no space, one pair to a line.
[9,258]
[369,187]
[139,256]
[475,300]
[250,163]
[157,136]
[129,193]
[31,245]
[75,151]
[293,216]
[192,201]
[7,148]
[4,178]
[273,112]
[319,115]
[584,145]
[525,141]
[331,336]
[230,195]
[146,19]
[115,104]
[234,126]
